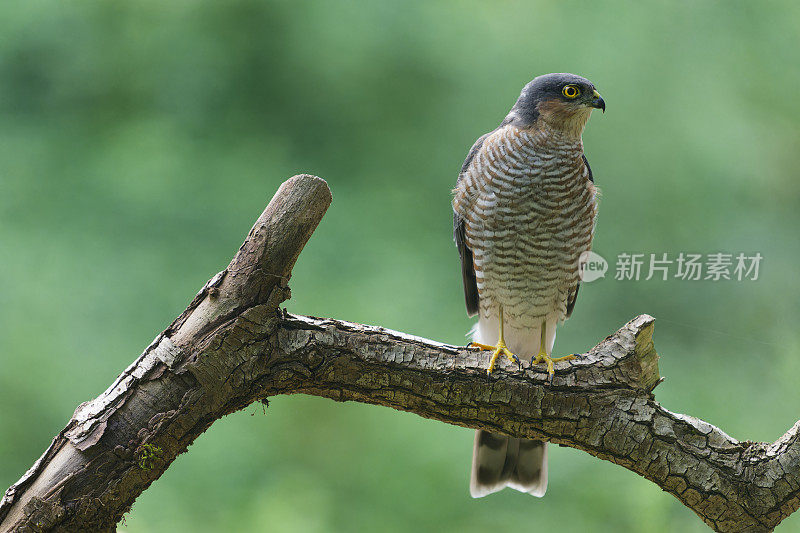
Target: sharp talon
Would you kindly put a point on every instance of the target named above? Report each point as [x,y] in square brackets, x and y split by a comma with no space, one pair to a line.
[480,346]
[549,362]
[499,350]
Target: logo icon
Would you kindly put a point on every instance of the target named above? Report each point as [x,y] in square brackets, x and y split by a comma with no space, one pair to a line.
[591,266]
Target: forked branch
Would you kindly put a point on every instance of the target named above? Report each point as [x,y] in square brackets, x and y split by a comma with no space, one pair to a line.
[233,346]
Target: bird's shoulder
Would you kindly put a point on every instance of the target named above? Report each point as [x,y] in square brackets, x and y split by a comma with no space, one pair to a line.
[464,184]
[462,191]
[476,147]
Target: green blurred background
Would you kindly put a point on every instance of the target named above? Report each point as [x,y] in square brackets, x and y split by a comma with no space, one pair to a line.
[139,140]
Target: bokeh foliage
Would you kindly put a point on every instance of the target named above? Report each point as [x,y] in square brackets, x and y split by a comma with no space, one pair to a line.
[140,139]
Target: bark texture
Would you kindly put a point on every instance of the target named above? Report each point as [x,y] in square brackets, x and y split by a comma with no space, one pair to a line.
[233,346]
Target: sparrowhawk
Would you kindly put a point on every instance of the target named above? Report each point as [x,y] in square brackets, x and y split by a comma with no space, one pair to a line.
[524,212]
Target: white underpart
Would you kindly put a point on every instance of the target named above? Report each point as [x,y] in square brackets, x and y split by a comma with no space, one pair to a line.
[524,342]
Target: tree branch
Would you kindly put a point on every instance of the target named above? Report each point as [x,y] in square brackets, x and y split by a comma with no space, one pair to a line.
[233,346]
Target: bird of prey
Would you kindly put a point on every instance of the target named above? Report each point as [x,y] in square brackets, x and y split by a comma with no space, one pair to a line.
[524,211]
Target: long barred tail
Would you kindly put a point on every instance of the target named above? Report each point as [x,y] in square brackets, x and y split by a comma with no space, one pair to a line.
[499,462]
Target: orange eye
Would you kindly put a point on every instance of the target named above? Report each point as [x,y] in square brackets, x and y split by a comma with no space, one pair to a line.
[570,91]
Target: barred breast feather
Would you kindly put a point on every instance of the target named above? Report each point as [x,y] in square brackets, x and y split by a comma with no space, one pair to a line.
[526,204]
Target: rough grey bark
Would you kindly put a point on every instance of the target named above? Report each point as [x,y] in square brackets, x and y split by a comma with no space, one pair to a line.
[233,346]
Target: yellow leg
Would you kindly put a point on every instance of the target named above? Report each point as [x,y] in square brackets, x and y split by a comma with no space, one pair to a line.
[544,356]
[500,349]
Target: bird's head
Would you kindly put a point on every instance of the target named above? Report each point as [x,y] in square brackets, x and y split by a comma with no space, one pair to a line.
[560,101]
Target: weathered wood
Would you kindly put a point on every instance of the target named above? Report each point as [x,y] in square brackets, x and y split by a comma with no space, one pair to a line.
[120,442]
[601,403]
[233,346]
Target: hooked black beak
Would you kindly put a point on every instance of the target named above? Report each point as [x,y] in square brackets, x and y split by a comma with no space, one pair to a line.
[598,101]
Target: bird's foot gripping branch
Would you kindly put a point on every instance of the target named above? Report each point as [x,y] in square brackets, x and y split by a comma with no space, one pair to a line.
[233,346]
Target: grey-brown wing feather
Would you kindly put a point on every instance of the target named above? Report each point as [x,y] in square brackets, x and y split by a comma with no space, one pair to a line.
[586,162]
[572,297]
[459,235]
[467,266]
[573,294]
